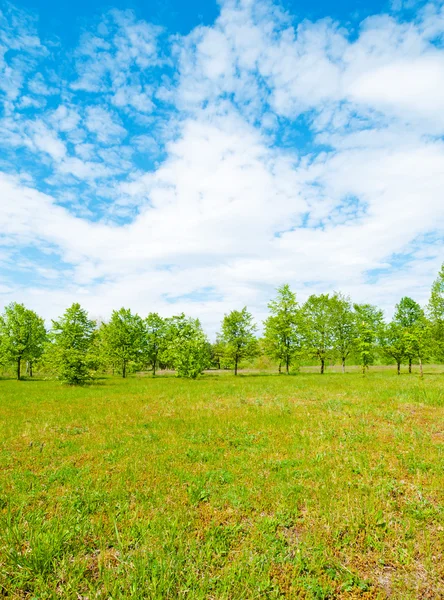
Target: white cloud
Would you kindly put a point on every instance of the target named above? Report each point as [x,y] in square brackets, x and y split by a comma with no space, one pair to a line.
[231,212]
[37,85]
[116,57]
[410,88]
[134,96]
[65,118]
[46,140]
[104,125]
[84,170]
[28,102]
[17,39]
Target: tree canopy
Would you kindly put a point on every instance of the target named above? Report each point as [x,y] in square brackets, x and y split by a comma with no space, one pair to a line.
[435,313]
[238,335]
[22,336]
[369,323]
[186,346]
[327,328]
[69,350]
[123,339]
[282,334]
[318,328]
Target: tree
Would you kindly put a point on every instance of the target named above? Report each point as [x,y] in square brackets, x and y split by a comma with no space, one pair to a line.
[238,335]
[318,327]
[186,346]
[393,342]
[71,340]
[344,326]
[435,313]
[22,336]
[123,338]
[282,336]
[419,342]
[155,332]
[218,352]
[38,337]
[408,314]
[369,321]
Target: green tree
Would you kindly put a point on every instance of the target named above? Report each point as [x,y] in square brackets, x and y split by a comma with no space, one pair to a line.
[408,314]
[186,346]
[22,336]
[155,332]
[218,352]
[318,328]
[71,343]
[393,342]
[344,326]
[369,323]
[37,340]
[238,335]
[282,335]
[435,313]
[124,338]
[419,342]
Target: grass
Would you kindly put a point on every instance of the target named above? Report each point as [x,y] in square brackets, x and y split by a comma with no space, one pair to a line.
[263,486]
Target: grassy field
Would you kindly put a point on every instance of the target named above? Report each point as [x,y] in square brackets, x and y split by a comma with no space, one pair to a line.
[261,486]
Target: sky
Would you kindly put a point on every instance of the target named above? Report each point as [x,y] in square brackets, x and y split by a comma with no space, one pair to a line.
[191,157]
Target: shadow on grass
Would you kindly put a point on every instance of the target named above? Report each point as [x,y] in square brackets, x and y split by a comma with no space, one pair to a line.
[103,379]
[23,379]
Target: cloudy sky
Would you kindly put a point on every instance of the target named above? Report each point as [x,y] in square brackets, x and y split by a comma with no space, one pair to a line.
[191,156]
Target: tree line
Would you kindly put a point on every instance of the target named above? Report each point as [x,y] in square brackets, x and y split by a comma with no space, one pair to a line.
[324,328]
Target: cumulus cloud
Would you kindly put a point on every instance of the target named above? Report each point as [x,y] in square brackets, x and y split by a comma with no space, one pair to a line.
[265,150]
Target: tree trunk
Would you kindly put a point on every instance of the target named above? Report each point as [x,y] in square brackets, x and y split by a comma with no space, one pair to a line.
[154,368]
[18,367]
[235,365]
[363,369]
[410,365]
[287,365]
[280,369]
[322,365]
[30,368]
[124,369]
[421,372]
[343,364]
[398,364]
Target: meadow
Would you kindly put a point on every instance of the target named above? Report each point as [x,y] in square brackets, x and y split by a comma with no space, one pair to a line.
[248,487]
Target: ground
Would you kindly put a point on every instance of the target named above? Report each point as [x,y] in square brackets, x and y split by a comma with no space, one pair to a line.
[260,486]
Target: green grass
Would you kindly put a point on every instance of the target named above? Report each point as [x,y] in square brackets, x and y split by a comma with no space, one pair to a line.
[301,486]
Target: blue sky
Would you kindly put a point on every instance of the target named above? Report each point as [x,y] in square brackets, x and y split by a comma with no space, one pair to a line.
[64,19]
[175,156]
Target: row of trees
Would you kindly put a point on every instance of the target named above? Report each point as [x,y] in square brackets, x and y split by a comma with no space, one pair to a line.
[326,327]
[332,328]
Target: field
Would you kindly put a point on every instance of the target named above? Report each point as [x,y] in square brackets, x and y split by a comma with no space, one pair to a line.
[260,486]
